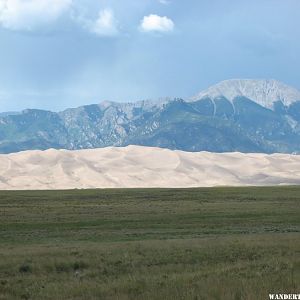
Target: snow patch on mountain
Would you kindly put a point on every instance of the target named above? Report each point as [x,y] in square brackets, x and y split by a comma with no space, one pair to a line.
[262,91]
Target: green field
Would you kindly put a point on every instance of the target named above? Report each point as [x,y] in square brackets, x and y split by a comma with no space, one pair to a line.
[219,243]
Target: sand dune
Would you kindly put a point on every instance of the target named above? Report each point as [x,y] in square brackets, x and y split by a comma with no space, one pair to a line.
[136,166]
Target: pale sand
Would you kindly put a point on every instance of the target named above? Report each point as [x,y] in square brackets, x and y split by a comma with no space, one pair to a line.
[136,166]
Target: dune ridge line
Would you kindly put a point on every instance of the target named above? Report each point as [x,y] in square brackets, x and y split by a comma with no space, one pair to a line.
[143,167]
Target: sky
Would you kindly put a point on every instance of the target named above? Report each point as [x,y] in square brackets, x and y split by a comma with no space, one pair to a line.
[56,54]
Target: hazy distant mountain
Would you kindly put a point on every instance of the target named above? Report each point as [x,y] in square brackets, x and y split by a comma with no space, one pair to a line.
[234,115]
[8,113]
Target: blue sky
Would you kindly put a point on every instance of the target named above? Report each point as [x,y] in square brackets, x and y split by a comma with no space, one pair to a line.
[56,54]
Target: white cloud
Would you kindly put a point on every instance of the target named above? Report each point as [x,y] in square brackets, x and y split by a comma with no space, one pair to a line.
[156,23]
[31,14]
[106,24]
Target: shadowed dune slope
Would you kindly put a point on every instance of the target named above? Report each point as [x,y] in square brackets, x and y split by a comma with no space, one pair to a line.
[136,166]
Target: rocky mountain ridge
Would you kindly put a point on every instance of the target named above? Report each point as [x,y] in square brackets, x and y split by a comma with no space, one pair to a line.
[224,118]
[263,92]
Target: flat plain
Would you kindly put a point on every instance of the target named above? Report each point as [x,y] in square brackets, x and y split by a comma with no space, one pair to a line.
[202,243]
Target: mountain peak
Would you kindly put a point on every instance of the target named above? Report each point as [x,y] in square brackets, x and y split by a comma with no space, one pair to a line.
[262,91]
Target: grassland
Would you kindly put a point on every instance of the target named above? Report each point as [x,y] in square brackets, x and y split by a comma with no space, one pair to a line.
[220,243]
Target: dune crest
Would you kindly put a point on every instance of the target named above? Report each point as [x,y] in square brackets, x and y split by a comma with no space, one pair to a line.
[137,166]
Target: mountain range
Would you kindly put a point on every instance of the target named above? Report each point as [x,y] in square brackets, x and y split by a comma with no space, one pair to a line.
[242,115]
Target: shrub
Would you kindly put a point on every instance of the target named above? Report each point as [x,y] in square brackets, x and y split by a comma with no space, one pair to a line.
[25,268]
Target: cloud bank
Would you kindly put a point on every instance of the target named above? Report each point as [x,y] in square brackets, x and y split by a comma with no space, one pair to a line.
[31,14]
